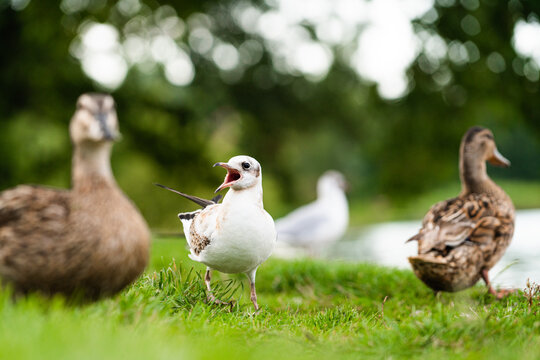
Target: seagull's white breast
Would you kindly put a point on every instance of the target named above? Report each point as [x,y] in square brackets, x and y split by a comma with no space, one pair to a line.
[243,238]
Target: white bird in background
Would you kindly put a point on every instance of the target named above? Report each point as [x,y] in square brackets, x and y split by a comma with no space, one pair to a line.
[237,235]
[317,225]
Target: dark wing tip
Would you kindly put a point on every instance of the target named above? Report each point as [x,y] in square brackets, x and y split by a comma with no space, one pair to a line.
[217,198]
[162,186]
[199,201]
[186,216]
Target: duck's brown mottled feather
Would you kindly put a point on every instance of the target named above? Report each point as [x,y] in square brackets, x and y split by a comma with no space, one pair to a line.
[91,240]
[460,237]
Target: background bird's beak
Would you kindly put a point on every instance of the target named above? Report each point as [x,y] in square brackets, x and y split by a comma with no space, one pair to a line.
[498,160]
[107,133]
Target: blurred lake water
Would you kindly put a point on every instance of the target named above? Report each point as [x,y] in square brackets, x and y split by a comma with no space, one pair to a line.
[385,244]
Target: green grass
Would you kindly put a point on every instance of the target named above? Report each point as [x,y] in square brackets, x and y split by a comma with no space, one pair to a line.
[310,310]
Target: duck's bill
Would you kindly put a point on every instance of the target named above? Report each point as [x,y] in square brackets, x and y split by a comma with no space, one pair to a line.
[108,134]
[498,160]
[232,176]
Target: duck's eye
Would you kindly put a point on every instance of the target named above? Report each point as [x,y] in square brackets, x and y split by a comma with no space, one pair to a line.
[246,165]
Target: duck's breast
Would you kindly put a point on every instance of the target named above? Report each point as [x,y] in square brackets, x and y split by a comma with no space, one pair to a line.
[116,238]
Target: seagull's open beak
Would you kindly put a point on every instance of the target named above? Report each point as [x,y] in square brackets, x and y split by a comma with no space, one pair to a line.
[232,176]
[498,160]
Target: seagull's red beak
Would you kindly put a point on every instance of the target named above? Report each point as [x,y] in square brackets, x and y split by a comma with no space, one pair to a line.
[232,176]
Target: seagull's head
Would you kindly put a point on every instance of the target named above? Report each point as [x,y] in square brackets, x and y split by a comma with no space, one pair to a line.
[94,120]
[242,172]
[331,180]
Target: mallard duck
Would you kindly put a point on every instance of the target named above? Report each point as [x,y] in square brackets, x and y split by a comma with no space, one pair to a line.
[318,224]
[462,238]
[237,235]
[89,240]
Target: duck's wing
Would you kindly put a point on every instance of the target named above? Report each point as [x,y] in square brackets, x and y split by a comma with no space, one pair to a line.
[27,208]
[197,200]
[450,223]
[32,221]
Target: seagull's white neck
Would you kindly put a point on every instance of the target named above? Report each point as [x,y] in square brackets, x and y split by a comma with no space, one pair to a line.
[329,191]
[253,194]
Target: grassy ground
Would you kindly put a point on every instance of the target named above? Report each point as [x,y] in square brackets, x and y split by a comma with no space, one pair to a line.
[310,309]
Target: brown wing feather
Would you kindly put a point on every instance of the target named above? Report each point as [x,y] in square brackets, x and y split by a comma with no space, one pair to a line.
[197,241]
[449,223]
[26,207]
[32,219]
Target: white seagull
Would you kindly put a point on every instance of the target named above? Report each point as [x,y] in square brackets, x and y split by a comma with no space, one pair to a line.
[237,235]
[320,223]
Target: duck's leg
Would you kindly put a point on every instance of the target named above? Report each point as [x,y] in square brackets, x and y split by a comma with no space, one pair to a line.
[485,277]
[498,294]
[210,295]
[251,277]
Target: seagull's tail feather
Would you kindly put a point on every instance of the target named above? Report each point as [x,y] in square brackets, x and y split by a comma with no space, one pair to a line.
[197,200]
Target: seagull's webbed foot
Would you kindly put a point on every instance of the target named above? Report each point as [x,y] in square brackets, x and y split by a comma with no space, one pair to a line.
[210,297]
[213,300]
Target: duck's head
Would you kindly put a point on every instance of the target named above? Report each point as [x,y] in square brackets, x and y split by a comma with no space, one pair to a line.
[479,144]
[242,172]
[331,180]
[94,120]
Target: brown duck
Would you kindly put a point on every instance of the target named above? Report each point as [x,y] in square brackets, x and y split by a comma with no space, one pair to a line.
[90,239]
[462,238]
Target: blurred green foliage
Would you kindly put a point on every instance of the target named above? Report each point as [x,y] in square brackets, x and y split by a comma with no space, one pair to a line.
[297,128]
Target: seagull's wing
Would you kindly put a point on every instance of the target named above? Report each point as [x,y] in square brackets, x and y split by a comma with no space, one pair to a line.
[200,228]
[197,200]
[304,225]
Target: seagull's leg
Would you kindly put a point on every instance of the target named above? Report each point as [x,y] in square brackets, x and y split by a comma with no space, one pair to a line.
[498,294]
[207,278]
[210,296]
[251,277]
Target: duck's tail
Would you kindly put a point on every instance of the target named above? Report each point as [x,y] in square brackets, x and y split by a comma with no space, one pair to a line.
[415,237]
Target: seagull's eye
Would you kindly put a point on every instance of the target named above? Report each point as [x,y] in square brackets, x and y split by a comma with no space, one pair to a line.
[246,165]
